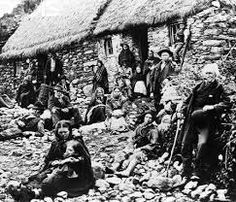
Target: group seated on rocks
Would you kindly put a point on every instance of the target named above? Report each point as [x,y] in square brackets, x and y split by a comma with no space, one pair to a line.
[67,165]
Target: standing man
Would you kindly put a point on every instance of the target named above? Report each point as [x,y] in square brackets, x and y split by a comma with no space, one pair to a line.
[149,64]
[160,73]
[54,70]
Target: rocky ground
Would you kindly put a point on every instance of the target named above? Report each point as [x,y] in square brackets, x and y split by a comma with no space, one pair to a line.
[22,157]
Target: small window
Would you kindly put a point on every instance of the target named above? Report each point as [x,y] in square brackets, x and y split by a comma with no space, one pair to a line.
[108,46]
[173,28]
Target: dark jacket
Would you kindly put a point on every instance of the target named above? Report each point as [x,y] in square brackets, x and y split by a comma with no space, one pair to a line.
[216,97]
[126,57]
[73,186]
[100,79]
[158,76]
[52,78]
[26,93]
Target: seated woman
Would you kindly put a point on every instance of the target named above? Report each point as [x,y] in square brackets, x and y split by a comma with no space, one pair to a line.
[125,89]
[146,144]
[115,111]
[96,110]
[67,168]
[115,103]
[25,93]
[138,83]
[125,73]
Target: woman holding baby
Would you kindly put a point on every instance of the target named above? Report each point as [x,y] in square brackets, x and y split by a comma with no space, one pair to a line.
[67,167]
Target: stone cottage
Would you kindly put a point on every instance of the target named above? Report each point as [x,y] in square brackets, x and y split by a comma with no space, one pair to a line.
[83,31]
[61,28]
[152,24]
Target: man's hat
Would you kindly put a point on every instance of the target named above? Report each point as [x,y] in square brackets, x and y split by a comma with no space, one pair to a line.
[165,49]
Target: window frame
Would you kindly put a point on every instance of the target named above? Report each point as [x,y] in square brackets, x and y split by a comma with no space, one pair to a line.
[172,30]
[108,46]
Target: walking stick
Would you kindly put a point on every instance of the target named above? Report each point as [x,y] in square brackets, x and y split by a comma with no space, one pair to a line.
[173,147]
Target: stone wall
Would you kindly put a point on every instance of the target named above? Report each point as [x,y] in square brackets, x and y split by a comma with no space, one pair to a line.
[213,31]
[213,34]
[158,38]
[77,63]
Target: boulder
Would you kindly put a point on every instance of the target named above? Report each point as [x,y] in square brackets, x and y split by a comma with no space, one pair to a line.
[98,170]
[87,90]
[113,180]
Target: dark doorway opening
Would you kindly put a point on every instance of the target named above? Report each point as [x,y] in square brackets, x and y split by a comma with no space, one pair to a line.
[141,39]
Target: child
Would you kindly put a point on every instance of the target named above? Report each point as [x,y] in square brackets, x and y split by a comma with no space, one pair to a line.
[67,168]
[138,83]
[146,144]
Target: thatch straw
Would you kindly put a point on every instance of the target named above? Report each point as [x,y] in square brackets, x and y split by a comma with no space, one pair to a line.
[123,14]
[54,24]
[77,19]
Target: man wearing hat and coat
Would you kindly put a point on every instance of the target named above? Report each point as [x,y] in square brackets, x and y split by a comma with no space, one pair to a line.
[61,108]
[53,70]
[202,111]
[162,71]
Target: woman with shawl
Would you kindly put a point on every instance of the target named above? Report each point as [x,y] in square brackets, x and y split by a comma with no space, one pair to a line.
[67,168]
[100,78]
[96,110]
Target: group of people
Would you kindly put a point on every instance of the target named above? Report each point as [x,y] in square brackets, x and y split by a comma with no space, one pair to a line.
[67,165]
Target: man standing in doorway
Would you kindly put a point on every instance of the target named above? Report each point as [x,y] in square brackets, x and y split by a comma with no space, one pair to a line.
[54,70]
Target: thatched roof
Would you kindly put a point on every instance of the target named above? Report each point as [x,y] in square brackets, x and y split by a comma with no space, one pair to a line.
[123,14]
[57,23]
[54,24]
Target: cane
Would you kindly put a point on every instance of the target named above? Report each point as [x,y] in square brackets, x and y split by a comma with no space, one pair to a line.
[173,147]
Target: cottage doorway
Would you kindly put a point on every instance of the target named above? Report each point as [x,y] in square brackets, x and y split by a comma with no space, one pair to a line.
[141,39]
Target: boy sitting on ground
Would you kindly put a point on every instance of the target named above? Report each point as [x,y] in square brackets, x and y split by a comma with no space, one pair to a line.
[146,144]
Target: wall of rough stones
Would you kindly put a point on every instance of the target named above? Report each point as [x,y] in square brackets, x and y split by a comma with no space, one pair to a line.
[77,63]
[213,34]
[158,38]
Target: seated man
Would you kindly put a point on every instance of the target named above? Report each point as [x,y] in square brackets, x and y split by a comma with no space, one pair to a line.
[115,111]
[61,108]
[146,144]
[34,122]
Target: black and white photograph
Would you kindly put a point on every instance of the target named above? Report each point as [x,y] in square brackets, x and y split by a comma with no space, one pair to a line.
[118,100]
